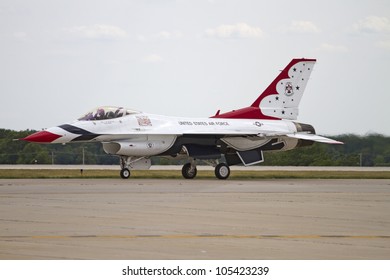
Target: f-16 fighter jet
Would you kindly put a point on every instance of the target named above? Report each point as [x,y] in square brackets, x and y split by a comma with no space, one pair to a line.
[223,140]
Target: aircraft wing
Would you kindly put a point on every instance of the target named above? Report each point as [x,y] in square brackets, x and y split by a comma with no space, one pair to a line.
[224,134]
[313,137]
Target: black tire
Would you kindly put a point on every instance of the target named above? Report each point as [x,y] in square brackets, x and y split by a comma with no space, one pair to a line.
[222,171]
[125,173]
[188,171]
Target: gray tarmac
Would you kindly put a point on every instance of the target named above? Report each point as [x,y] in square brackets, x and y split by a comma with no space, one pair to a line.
[194,219]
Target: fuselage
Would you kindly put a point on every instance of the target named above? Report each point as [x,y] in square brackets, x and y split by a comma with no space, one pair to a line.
[142,134]
[148,124]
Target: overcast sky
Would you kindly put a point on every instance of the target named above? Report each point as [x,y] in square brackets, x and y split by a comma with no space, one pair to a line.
[58,59]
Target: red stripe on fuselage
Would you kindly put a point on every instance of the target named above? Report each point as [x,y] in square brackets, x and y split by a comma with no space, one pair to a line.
[245,113]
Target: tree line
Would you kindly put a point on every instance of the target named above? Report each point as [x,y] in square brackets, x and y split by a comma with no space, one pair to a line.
[368,150]
[22,152]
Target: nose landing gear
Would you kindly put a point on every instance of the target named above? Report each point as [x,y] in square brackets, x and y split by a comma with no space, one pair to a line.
[125,173]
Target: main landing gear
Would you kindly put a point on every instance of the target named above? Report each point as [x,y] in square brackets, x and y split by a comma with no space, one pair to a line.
[189,171]
[222,171]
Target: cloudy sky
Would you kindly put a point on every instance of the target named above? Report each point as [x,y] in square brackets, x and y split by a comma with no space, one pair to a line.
[58,59]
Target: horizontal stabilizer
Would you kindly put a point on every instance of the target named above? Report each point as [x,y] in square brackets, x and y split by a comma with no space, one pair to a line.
[314,137]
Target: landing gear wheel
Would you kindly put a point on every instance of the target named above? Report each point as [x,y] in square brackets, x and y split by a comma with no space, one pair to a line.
[125,173]
[222,171]
[189,171]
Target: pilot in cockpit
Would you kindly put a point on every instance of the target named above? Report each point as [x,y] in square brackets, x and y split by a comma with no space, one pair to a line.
[99,114]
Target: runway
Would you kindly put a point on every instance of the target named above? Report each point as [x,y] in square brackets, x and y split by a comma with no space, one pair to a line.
[194,219]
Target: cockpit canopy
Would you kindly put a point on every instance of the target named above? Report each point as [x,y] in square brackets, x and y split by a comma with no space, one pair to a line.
[106,113]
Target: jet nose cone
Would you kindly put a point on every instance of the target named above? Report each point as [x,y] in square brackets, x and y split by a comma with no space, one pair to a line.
[42,137]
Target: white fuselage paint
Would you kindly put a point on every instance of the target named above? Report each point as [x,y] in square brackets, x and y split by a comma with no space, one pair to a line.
[143,134]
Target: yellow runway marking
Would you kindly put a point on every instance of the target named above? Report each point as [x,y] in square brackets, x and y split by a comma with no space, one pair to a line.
[201,236]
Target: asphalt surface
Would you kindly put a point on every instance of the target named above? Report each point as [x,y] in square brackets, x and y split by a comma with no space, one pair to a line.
[194,219]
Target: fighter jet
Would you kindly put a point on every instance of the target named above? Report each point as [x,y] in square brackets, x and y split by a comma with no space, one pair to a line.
[223,140]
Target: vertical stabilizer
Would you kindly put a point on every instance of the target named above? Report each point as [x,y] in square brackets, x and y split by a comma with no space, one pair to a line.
[280,100]
[282,97]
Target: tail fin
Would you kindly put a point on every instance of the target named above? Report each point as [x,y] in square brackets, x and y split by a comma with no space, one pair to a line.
[280,100]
